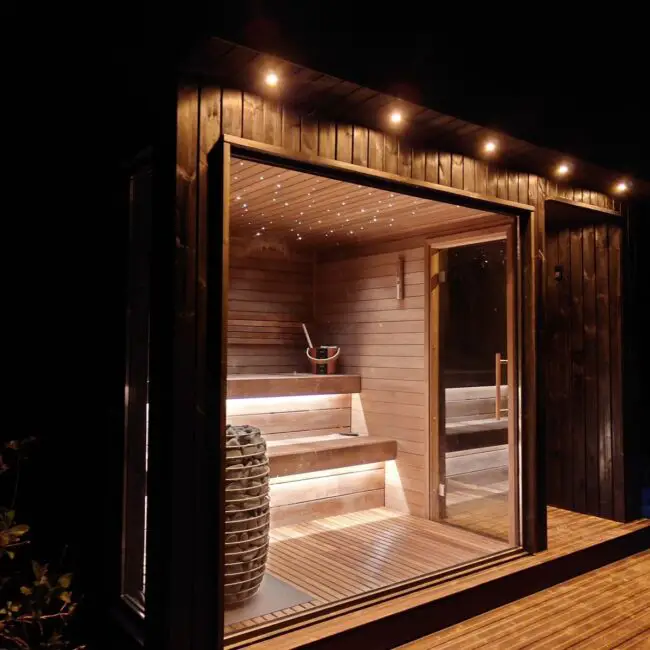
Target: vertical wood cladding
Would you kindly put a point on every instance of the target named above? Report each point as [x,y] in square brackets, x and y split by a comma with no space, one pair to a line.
[583,364]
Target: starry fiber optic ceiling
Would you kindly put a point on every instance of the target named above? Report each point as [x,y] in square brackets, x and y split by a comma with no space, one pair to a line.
[309,211]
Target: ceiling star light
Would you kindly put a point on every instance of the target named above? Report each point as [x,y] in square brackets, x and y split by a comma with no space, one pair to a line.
[271,79]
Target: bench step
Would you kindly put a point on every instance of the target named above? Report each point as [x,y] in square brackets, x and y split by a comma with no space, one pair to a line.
[299,456]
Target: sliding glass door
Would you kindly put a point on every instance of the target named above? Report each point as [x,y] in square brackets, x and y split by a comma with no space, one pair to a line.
[473,382]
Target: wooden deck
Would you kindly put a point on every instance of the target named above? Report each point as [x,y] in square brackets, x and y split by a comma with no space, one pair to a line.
[346,555]
[577,543]
[604,609]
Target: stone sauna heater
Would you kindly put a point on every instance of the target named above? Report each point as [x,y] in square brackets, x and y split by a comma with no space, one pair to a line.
[247,512]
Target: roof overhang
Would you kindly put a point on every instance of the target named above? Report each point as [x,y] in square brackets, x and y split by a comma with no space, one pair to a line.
[323,96]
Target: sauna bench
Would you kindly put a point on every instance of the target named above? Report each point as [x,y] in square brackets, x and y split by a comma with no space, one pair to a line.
[290,385]
[302,455]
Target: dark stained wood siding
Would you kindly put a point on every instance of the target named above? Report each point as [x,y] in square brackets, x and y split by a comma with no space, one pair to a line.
[265,120]
[583,364]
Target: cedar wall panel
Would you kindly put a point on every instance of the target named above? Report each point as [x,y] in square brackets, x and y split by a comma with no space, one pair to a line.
[270,296]
[298,417]
[382,339]
[584,418]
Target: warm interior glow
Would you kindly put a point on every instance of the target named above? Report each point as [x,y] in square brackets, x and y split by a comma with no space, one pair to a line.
[272,79]
[621,187]
[490,146]
[395,117]
[562,169]
[338,523]
[250,405]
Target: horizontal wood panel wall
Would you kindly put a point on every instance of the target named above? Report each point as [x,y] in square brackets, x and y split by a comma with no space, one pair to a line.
[283,418]
[305,497]
[382,339]
[584,398]
[270,295]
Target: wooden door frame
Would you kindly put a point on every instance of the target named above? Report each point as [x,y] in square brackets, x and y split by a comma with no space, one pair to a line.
[169,565]
[499,228]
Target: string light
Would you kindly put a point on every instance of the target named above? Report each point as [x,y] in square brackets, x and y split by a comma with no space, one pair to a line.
[395,117]
[562,169]
[621,187]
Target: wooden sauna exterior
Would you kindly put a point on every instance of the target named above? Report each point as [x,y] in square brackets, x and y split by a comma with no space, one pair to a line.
[214,114]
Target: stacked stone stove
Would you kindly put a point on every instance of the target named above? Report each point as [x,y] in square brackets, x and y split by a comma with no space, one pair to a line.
[247,512]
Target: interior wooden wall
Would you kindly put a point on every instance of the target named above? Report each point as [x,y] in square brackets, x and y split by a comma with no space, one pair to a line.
[585,456]
[290,417]
[305,497]
[271,293]
[382,339]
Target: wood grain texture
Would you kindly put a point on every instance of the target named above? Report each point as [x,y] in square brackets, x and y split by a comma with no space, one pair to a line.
[270,296]
[600,610]
[578,375]
[591,362]
[287,385]
[301,456]
[348,554]
[616,373]
[357,538]
[603,373]
[584,418]
[304,497]
[360,146]
[376,150]
[356,310]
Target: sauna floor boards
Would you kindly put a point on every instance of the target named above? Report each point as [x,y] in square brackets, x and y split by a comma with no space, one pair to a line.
[568,533]
[603,609]
[346,555]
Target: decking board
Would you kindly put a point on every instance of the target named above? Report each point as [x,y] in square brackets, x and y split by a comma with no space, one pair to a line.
[601,609]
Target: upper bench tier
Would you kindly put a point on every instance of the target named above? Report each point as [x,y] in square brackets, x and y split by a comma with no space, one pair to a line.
[291,384]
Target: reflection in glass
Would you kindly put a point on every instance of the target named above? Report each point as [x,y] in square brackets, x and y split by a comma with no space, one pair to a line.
[474,363]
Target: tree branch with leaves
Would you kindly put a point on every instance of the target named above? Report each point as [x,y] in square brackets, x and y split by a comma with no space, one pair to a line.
[36,603]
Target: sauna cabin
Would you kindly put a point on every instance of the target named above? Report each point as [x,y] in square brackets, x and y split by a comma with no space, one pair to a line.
[476,316]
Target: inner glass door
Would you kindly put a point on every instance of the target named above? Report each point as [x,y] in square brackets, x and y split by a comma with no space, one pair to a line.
[473,381]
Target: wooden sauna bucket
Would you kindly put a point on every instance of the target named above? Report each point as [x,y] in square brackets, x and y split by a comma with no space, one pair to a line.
[247,513]
[323,359]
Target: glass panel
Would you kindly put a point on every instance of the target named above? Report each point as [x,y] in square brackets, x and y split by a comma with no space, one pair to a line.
[327,439]
[473,368]
[137,391]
